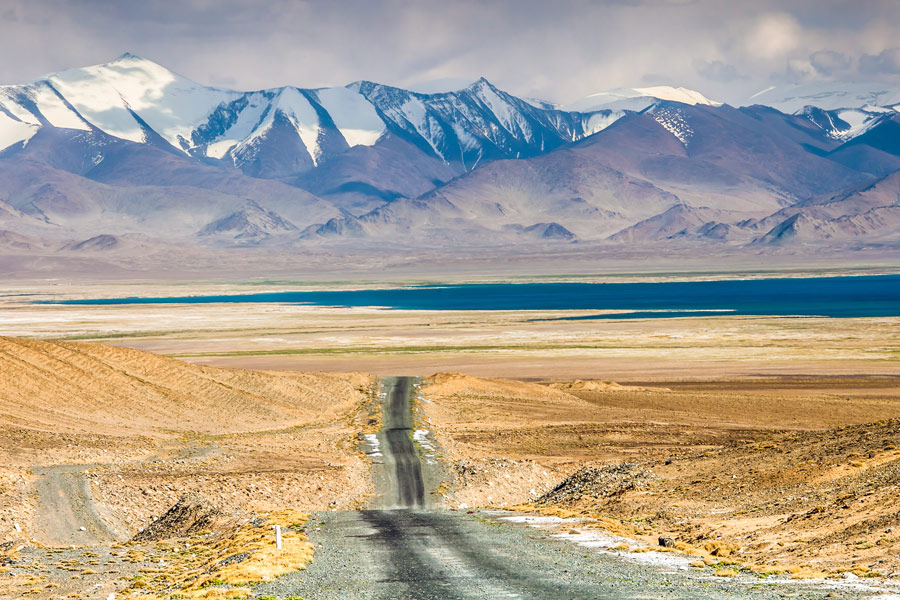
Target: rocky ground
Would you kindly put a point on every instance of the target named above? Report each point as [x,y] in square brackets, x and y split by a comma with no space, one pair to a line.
[791,475]
[98,442]
[817,503]
[731,467]
[498,554]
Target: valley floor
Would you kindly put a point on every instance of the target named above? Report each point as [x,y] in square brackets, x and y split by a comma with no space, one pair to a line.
[512,344]
[760,445]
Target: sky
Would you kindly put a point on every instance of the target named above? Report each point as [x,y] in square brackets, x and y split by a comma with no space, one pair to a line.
[558,50]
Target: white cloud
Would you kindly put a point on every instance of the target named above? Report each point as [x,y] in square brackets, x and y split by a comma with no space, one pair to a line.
[558,50]
[772,36]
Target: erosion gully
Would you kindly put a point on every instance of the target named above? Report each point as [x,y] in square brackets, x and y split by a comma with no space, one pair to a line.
[409,547]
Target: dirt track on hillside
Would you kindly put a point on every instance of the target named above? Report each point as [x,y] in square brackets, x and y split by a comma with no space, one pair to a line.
[66,514]
[153,428]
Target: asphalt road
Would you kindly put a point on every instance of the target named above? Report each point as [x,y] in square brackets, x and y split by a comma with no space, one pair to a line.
[401,458]
[411,552]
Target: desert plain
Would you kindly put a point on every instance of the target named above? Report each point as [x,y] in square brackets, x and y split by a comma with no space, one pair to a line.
[763,445]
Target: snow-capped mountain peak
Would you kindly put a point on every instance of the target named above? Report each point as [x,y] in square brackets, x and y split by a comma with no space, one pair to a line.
[126,56]
[286,131]
[441,86]
[117,96]
[829,95]
[843,110]
[638,98]
[673,94]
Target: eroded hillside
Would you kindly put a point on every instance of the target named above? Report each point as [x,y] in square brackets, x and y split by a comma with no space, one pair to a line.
[127,432]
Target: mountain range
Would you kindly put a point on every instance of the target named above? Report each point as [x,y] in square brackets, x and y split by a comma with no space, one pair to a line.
[129,155]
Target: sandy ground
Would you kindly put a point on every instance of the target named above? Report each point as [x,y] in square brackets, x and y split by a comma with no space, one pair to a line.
[798,473]
[140,430]
[738,419]
[97,442]
[487,344]
[795,472]
[358,261]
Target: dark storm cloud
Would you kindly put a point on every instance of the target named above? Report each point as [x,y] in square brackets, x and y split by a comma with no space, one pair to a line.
[716,70]
[887,62]
[829,62]
[560,49]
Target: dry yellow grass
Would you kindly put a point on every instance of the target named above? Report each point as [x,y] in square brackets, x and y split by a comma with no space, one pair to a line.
[719,549]
[265,562]
[204,594]
[215,574]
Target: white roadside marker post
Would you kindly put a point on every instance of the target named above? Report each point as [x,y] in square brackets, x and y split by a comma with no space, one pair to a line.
[278,537]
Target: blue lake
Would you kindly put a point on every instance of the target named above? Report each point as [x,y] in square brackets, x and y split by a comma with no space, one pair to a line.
[860,296]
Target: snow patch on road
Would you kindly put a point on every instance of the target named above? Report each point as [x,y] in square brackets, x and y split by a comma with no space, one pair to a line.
[423,438]
[372,445]
[536,521]
[607,543]
[602,541]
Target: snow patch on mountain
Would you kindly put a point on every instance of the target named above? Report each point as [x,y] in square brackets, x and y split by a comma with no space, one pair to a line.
[413,111]
[353,115]
[674,122]
[828,96]
[39,104]
[638,98]
[302,116]
[11,104]
[14,131]
[859,121]
[172,105]
[512,120]
[848,123]
[243,122]
[596,122]
[466,140]
[542,104]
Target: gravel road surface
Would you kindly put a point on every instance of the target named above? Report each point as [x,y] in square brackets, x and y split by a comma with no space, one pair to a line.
[66,513]
[412,552]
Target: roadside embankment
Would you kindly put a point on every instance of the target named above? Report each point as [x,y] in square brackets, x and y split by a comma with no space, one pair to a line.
[794,474]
